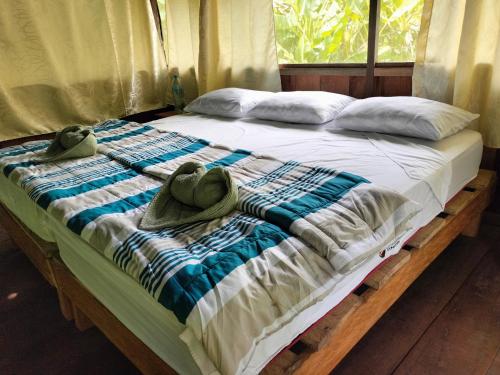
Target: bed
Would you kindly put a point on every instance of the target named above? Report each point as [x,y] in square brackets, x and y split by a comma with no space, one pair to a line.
[429,173]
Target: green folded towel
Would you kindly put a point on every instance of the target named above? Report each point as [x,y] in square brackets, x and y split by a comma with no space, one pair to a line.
[72,142]
[189,195]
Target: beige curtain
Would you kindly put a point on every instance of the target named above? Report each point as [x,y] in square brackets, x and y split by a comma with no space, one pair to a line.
[221,43]
[78,61]
[458,59]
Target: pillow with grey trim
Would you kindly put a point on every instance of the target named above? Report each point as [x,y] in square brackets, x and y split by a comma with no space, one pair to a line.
[405,115]
[227,102]
[304,107]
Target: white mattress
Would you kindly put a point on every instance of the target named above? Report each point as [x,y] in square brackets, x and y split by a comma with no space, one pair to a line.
[427,172]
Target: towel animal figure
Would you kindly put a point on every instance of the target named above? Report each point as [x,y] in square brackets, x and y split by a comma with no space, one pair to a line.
[189,195]
[72,142]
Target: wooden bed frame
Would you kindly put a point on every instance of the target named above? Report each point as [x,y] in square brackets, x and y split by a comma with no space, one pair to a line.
[319,349]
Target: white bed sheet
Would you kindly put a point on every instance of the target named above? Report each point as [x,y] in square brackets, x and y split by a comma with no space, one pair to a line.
[427,172]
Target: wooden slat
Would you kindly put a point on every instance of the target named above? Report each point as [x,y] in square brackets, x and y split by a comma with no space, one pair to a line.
[425,234]
[378,278]
[319,335]
[460,201]
[373,22]
[81,321]
[472,229]
[337,84]
[403,71]
[414,312]
[284,363]
[38,251]
[133,348]
[286,83]
[333,71]
[350,331]
[308,83]
[393,86]
[30,138]
[483,180]
[357,87]
[347,331]
[65,305]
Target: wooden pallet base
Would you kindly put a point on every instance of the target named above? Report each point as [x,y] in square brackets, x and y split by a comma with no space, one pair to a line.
[320,348]
[38,251]
[87,311]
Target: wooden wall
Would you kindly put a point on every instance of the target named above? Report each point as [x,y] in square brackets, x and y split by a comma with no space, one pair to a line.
[349,81]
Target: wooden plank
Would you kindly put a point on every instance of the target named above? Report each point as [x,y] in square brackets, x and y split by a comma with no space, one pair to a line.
[38,251]
[469,324]
[395,86]
[319,335]
[377,86]
[386,344]
[284,363]
[357,87]
[156,15]
[133,348]
[324,71]
[65,305]
[402,71]
[366,315]
[380,277]
[29,138]
[308,83]
[348,331]
[483,180]
[81,321]
[460,201]
[425,234]
[286,83]
[472,229]
[337,84]
[373,22]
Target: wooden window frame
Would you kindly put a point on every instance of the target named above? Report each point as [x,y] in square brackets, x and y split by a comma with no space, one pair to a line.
[370,69]
[156,15]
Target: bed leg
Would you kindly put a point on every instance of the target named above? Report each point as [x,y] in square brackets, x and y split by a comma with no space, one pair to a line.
[65,305]
[472,229]
[81,321]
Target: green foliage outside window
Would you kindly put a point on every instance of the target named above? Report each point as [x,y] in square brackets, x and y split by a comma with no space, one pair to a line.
[398,29]
[336,31]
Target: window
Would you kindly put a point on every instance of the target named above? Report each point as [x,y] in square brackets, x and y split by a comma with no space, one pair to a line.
[398,28]
[336,31]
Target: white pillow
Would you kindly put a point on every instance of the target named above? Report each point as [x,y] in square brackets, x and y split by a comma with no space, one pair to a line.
[405,115]
[228,102]
[307,107]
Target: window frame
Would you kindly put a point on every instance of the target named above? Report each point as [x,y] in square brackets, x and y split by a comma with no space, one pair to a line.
[370,69]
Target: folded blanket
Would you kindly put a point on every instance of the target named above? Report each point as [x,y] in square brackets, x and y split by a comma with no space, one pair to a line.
[72,142]
[233,281]
[344,217]
[190,195]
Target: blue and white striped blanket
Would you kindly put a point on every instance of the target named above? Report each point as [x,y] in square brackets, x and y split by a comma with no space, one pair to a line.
[231,280]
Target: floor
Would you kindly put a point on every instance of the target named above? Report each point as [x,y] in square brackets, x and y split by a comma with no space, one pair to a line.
[448,321]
